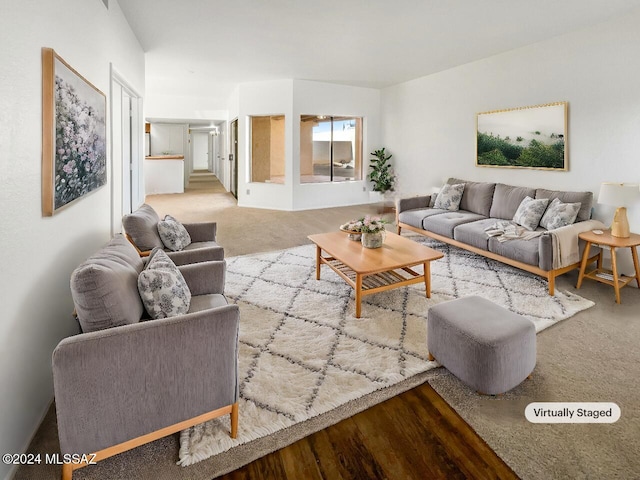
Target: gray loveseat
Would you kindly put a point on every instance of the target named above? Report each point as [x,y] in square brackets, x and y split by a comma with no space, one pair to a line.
[482,205]
[128,380]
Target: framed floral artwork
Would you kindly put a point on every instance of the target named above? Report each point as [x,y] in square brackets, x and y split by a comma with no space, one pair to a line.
[74,152]
[525,137]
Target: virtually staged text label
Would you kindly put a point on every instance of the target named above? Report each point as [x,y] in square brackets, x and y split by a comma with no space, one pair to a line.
[572,412]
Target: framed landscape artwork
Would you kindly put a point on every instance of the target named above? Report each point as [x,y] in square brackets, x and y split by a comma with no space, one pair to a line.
[74,155]
[526,137]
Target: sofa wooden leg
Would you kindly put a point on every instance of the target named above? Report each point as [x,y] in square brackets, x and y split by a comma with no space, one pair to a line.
[399,230]
[67,471]
[234,420]
[431,357]
[552,284]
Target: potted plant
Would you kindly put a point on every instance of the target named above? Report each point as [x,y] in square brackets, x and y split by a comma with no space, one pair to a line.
[381,173]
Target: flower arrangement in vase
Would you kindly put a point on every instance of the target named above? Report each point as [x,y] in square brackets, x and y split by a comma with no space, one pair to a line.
[369,230]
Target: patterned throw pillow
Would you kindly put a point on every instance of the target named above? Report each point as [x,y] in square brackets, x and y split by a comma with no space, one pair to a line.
[559,214]
[173,234]
[162,287]
[449,197]
[530,212]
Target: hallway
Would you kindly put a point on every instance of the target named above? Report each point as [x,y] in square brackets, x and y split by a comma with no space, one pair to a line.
[244,230]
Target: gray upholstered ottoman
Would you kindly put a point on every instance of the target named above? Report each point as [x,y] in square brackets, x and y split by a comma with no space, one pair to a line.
[486,346]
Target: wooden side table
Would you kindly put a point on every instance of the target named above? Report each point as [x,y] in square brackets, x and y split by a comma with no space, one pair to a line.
[610,277]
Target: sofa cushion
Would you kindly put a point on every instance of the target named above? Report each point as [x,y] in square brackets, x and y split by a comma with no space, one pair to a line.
[585,199]
[205,302]
[559,214]
[473,233]
[477,196]
[507,199]
[416,216]
[162,287]
[530,212]
[525,251]
[104,287]
[445,223]
[449,197]
[173,234]
[142,227]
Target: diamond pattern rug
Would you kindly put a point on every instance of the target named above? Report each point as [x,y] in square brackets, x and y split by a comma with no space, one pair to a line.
[303,353]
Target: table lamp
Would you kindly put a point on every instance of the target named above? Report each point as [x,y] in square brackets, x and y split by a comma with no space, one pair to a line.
[619,195]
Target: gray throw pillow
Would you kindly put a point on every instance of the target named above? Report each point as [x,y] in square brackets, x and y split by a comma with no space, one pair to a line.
[103,287]
[449,197]
[559,214]
[162,287]
[142,227]
[173,234]
[530,212]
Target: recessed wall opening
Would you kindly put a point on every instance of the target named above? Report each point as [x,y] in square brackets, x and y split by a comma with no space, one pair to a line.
[330,148]
[267,148]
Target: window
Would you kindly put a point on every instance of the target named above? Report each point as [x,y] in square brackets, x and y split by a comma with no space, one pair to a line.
[330,148]
[267,149]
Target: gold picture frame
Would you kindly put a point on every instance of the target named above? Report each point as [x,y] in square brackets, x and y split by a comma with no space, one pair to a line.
[74,135]
[533,137]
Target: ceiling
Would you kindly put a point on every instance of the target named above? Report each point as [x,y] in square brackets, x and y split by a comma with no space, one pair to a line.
[206,47]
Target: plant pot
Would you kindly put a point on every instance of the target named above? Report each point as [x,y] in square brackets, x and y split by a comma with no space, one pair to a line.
[373,240]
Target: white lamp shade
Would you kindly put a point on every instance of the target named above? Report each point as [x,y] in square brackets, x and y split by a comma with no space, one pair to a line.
[618,194]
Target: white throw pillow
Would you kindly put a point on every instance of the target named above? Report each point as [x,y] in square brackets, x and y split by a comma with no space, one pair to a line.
[162,287]
[560,214]
[530,212]
[173,234]
[449,197]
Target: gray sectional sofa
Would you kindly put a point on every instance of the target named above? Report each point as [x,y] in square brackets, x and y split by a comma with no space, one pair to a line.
[482,205]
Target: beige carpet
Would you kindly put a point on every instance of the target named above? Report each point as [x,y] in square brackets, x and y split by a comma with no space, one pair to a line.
[593,356]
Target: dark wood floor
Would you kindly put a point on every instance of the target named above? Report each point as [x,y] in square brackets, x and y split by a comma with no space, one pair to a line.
[415,435]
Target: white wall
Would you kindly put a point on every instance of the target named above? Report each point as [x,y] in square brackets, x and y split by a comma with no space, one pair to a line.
[429,123]
[294,98]
[39,253]
[328,99]
[264,98]
[183,107]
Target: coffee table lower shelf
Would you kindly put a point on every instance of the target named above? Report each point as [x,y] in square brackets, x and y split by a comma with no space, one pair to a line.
[368,284]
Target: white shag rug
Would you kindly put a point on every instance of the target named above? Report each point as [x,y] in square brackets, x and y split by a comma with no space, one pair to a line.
[303,353]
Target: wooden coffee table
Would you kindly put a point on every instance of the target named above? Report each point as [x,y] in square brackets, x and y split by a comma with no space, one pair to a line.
[373,270]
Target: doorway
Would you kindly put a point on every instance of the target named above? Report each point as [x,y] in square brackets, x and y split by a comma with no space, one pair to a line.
[201,152]
[233,157]
[126,150]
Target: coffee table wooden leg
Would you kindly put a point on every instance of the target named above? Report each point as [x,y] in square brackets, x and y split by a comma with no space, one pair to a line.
[583,264]
[358,295]
[427,278]
[614,267]
[318,256]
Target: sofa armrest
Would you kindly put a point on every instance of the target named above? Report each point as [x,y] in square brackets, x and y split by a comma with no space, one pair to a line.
[118,384]
[196,255]
[202,231]
[561,247]
[205,277]
[403,204]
